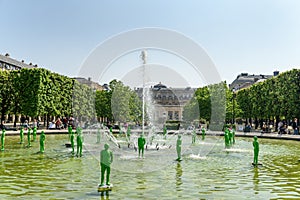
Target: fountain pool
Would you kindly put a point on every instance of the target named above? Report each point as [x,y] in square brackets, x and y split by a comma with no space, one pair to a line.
[217,174]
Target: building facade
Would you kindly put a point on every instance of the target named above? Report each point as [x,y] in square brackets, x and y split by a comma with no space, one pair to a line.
[245,80]
[165,104]
[7,63]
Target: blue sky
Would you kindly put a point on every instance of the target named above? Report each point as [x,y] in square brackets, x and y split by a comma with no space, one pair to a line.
[240,36]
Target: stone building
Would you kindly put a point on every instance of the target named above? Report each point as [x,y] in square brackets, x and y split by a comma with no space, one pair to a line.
[7,63]
[166,103]
[244,80]
[89,82]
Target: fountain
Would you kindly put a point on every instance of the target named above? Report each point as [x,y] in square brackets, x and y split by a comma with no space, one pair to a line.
[206,171]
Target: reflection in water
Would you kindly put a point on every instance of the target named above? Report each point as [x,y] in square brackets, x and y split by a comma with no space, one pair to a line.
[178,176]
[141,184]
[255,180]
[104,195]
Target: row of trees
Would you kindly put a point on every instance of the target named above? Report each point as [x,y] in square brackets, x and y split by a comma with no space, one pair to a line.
[213,104]
[39,92]
[277,98]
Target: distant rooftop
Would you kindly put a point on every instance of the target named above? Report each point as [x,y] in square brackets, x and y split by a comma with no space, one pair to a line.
[244,80]
[89,83]
[8,63]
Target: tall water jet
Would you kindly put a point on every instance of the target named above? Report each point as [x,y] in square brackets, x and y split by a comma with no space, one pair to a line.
[144,59]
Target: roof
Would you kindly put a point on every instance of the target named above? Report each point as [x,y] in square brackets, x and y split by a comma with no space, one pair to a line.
[159,86]
[8,60]
[245,80]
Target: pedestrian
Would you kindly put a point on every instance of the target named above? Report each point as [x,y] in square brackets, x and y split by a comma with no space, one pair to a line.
[295,126]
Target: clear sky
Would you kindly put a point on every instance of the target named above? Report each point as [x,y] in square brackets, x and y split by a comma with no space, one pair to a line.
[255,36]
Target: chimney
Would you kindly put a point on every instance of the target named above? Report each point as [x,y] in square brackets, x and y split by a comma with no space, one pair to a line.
[89,79]
[275,73]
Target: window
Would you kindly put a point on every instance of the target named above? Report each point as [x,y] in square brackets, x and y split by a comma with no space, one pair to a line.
[176,115]
[170,115]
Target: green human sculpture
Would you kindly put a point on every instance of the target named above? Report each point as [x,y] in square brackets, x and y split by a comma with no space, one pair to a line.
[79,130]
[69,131]
[72,142]
[226,137]
[194,136]
[79,144]
[165,132]
[34,133]
[28,137]
[21,135]
[42,142]
[228,132]
[111,130]
[203,133]
[98,136]
[256,151]
[141,145]
[178,147]
[2,139]
[106,158]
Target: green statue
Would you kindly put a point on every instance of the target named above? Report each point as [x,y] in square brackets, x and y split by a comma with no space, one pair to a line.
[21,135]
[42,142]
[72,142]
[141,145]
[178,147]
[98,136]
[79,143]
[2,139]
[111,130]
[165,132]
[226,137]
[106,158]
[203,133]
[34,133]
[28,137]
[70,131]
[256,150]
[194,136]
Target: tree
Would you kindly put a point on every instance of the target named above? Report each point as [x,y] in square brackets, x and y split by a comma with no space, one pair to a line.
[118,104]
[6,92]
[103,104]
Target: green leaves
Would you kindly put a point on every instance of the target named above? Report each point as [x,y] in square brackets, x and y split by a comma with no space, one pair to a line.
[208,104]
[6,95]
[119,104]
[277,96]
[37,92]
